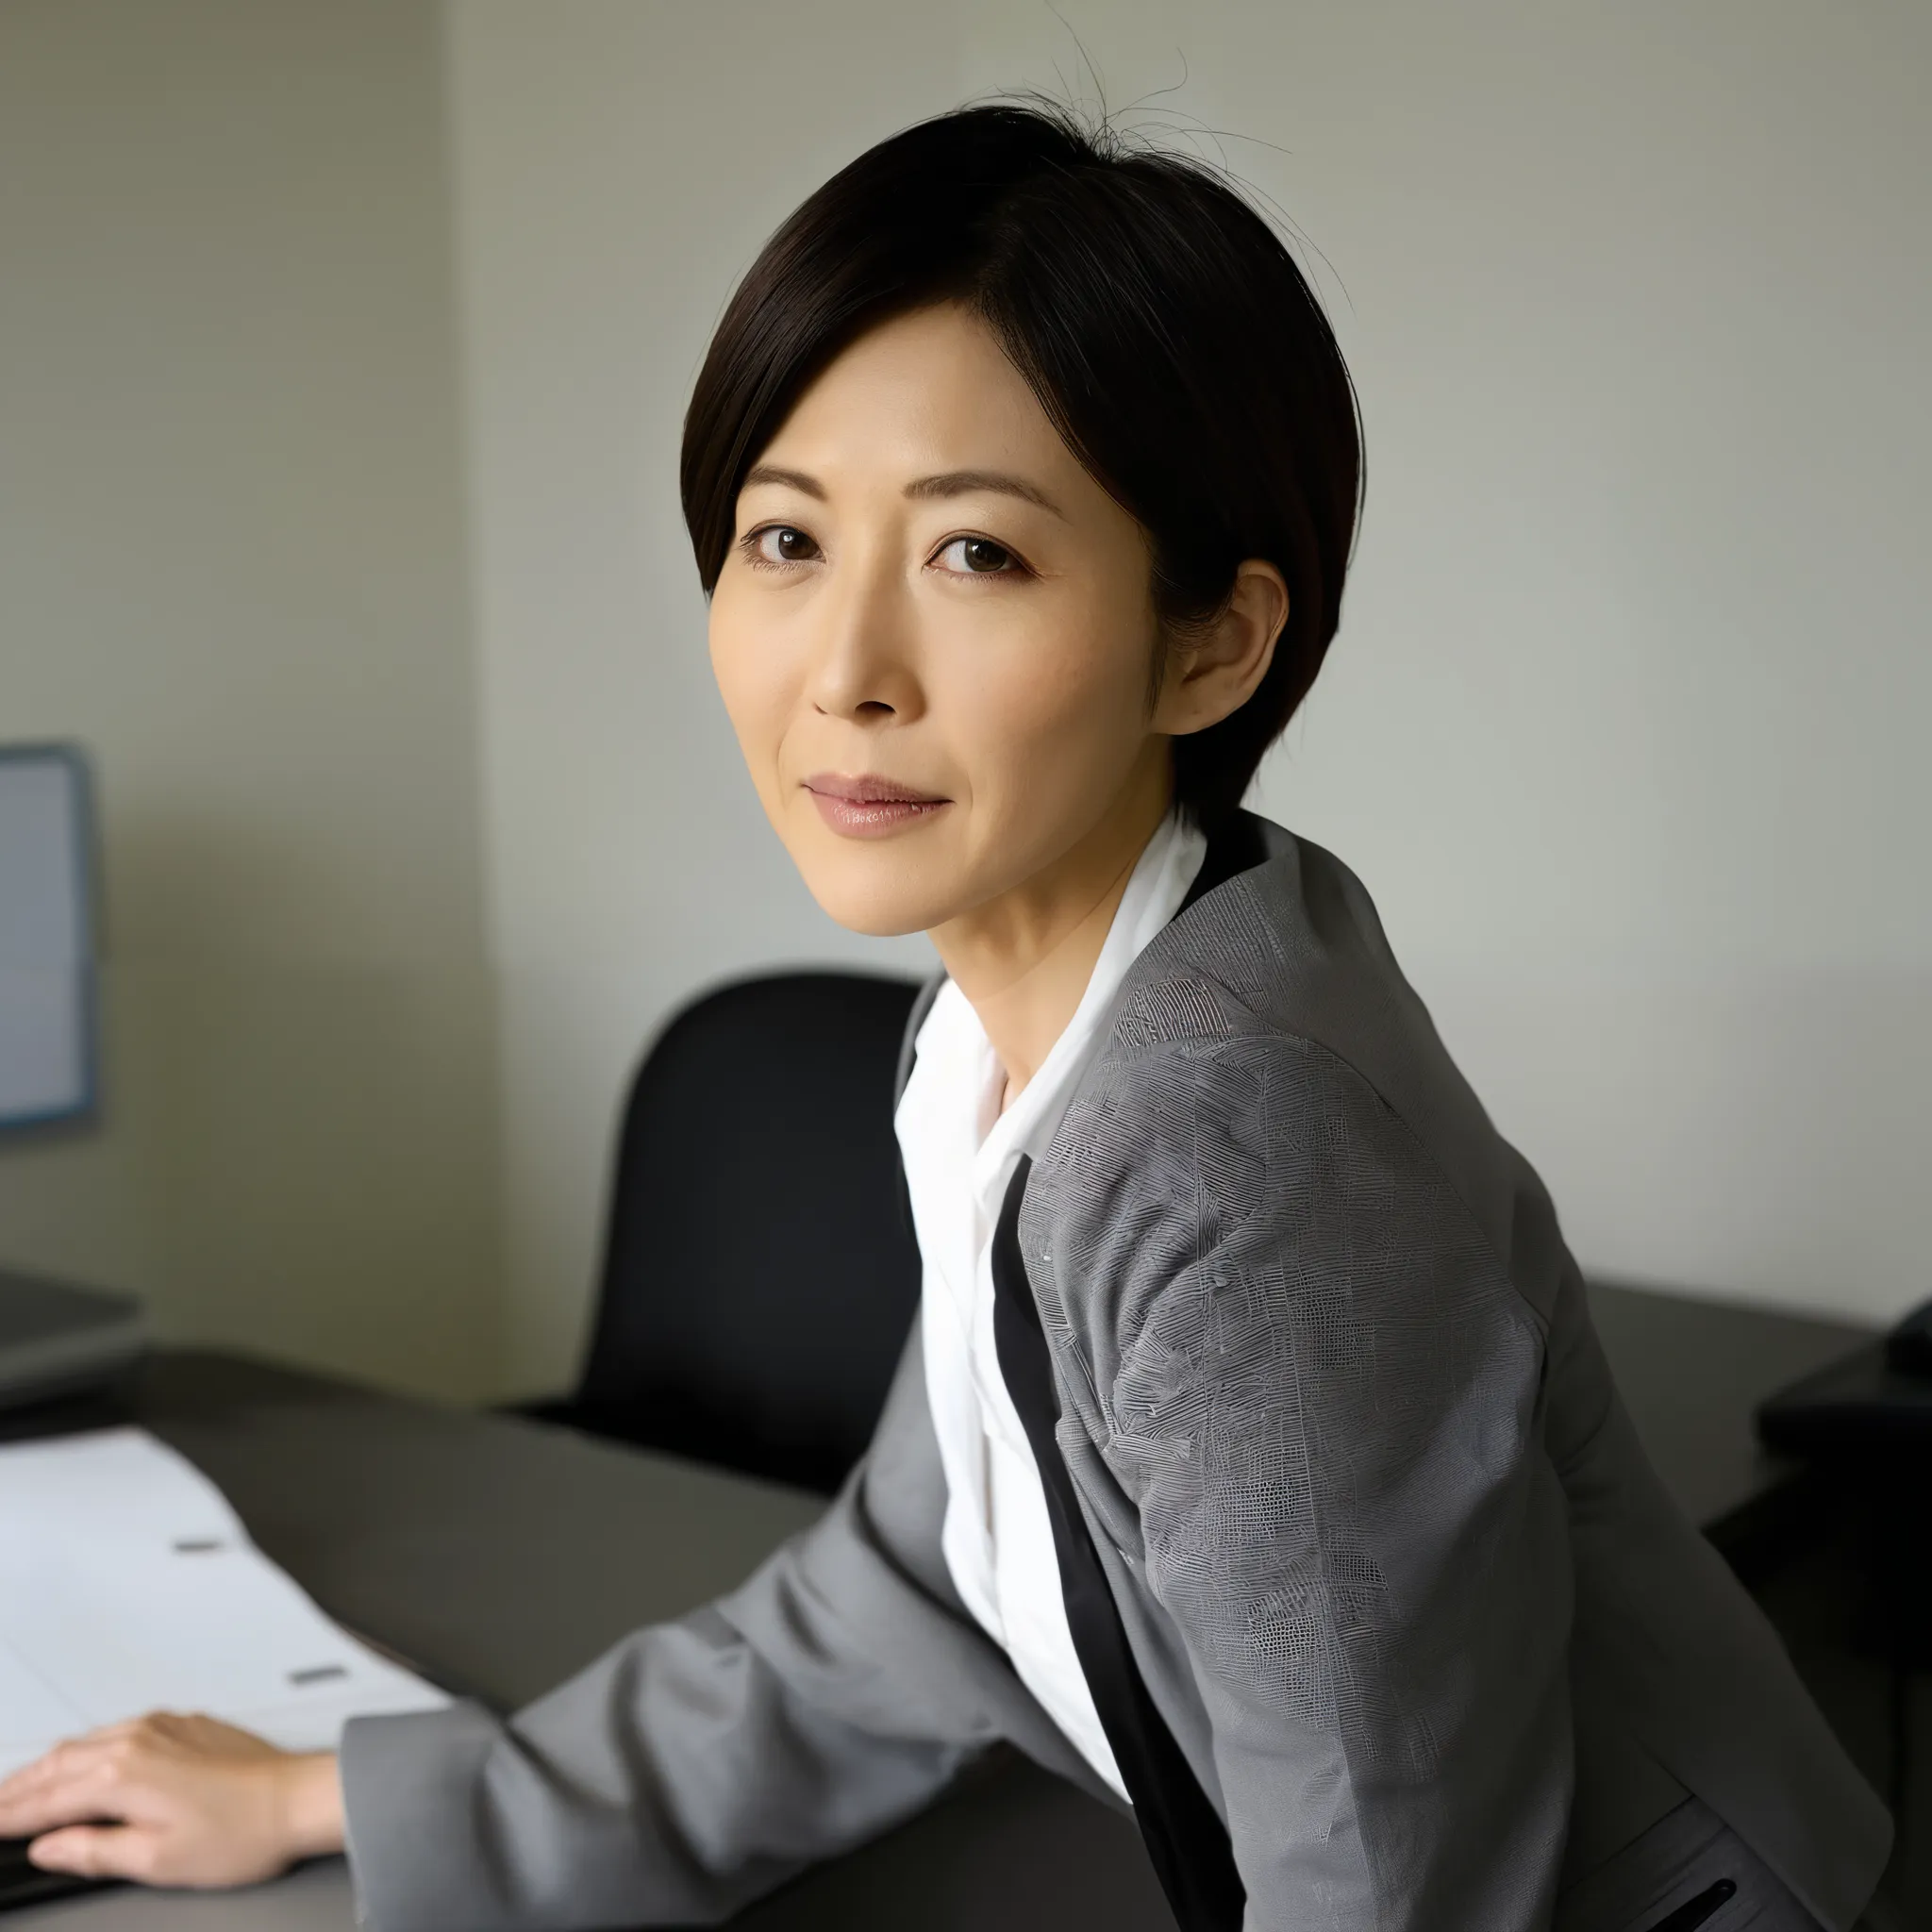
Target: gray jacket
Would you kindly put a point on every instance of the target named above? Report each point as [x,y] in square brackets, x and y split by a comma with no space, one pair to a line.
[1397,1573]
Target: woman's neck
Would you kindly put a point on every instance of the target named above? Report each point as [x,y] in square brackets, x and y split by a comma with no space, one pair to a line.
[1023,960]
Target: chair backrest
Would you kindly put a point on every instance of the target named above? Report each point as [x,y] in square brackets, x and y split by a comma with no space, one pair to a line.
[758,1277]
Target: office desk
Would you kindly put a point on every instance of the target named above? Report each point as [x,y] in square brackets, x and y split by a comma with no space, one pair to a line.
[502,1555]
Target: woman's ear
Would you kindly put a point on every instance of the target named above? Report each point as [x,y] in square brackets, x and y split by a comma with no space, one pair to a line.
[1215,671]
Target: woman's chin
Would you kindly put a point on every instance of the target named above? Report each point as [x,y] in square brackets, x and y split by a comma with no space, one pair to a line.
[880,896]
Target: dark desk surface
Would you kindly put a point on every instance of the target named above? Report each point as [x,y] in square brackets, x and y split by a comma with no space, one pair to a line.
[501,1555]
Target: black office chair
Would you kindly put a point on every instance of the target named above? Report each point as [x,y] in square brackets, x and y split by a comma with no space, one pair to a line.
[759,1280]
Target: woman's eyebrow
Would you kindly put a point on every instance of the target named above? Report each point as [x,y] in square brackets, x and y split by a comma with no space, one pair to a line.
[948,483]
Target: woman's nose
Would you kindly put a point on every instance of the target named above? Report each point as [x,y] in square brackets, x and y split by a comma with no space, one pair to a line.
[862,663]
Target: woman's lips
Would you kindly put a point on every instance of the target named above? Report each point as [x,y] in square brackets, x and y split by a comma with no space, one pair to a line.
[868,808]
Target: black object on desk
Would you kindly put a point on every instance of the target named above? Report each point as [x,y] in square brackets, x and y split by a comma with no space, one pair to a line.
[23,1883]
[1864,1422]
[1872,1403]
[1908,1347]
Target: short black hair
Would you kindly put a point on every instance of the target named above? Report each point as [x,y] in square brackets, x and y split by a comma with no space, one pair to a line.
[1159,318]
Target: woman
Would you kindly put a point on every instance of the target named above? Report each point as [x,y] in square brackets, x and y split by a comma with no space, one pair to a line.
[1253,1462]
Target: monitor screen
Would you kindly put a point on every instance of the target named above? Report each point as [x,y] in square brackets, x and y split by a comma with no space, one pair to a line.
[46,936]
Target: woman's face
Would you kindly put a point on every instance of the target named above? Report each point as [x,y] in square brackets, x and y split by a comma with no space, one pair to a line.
[934,633]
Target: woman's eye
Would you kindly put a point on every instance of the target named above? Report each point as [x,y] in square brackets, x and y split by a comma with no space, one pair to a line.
[983,558]
[753,545]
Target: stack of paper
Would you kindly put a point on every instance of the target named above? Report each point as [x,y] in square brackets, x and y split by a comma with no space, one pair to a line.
[128,1584]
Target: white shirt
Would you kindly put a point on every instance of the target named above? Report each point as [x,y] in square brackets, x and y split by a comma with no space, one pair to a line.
[997,1538]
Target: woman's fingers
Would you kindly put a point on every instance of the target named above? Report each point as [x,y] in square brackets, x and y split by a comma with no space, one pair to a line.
[74,1782]
[98,1759]
[97,1851]
[73,1756]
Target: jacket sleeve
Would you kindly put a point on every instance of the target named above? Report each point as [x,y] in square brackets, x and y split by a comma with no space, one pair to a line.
[1323,1407]
[698,1763]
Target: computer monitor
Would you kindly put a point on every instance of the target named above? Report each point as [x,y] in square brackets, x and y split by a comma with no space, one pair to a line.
[47,890]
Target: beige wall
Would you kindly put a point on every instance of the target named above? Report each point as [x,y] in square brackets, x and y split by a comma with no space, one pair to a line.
[232,563]
[1622,732]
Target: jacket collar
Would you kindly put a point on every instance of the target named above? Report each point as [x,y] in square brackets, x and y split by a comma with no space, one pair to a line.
[1237,844]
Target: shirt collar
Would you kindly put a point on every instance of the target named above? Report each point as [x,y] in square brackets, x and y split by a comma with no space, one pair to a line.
[950,1031]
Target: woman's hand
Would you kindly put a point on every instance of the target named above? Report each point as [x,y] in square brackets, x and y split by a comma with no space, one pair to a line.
[194,1801]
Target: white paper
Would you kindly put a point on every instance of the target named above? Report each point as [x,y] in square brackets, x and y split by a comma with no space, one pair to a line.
[128,1584]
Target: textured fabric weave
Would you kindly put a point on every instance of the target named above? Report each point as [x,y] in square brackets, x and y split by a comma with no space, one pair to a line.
[1185,1837]
[1369,1502]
